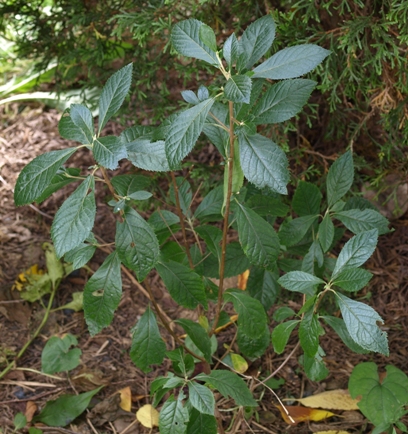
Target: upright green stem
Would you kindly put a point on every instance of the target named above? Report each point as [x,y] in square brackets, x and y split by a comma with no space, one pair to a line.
[181,217]
[226,218]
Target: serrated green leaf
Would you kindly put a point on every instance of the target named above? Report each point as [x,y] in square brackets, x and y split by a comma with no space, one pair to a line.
[257,237]
[266,205]
[325,233]
[281,334]
[236,262]
[210,207]
[163,223]
[102,294]
[309,333]
[201,398]
[173,416]
[38,174]
[212,237]
[251,314]
[300,281]
[108,151]
[215,130]
[338,325]
[184,131]
[57,355]
[263,286]
[186,40]
[148,347]
[200,423]
[361,322]
[20,421]
[306,200]
[184,285]
[231,50]
[256,41]
[340,178]
[75,219]
[357,202]
[291,62]
[283,313]
[229,384]
[292,231]
[253,348]
[315,367]
[263,163]
[81,116]
[136,243]
[190,97]
[140,195]
[382,399]
[65,409]
[68,130]
[61,179]
[148,155]
[238,89]
[363,220]
[207,37]
[353,279]
[113,94]
[282,101]
[356,251]
[125,185]
[185,195]
[198,336]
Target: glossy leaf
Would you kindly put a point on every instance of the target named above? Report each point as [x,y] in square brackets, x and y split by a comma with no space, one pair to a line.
[81,116]
[148,347]
[201,398]
[136,243]
[353,279]
[201,423]
[102,294]
[75,219]
[325,233]
[281,334]
[340,178]
[291,62]
[361,322]
[184,285]
[173,416]
[184,131]
[282,101]
[113,94]
[238,89]
[57,355]
[263,163]
[108,151]
[38,175]
[363,220]
[198,335]
[300,281]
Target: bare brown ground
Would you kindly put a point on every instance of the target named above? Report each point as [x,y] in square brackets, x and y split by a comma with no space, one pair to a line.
[105,359]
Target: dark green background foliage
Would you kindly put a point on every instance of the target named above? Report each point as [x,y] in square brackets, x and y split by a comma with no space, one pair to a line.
[363,83]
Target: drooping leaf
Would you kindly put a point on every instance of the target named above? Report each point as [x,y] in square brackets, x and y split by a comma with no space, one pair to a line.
[198,335]
[361,322]
[314,367]
[358,221]
[201,398]
[253,348]
[300,281]
[186,40]
[238,89]
[292,231]
[81,116]
[148,155]
[185,195]
[263,163]
[136,243]
[229,384]
[210,208]
[75,219]
[148,347]
[65,409]
[340,178]
[215,129]
[184,131]
[201,423]
[80,256]
[173,416]
[309,333]
[108,151]
[315,254]
[125,185]
[113,94]
[57,355]
[212,237]
[291,62]
[38,175]
[184,285]
[353,279]
[306,200]
[102,294]
[256,41]
[263,286]
[325,233]
[163,222]
[282,101]
[251,314]
[281,334]
[283,313]
[356,251]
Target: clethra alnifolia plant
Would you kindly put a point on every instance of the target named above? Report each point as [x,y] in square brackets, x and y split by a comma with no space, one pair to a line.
[284,243]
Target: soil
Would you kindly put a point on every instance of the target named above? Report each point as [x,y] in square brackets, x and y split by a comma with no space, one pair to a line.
[28,132]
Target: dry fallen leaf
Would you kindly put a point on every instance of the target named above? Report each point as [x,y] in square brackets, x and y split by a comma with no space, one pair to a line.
[242,280]
[333,399]
[125,398]
[148,416]
[31,408]
[302,414]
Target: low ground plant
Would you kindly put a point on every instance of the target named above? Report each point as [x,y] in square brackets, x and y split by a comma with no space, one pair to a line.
[287,244]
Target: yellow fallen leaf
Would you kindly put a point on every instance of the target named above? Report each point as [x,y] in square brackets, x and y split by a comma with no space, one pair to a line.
[333,399]
[239,363]
[294,414]
[148,416]
[125,399]
[22,277]
[242,280]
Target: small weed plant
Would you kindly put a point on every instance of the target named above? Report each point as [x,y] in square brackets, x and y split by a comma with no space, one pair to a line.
[285,244]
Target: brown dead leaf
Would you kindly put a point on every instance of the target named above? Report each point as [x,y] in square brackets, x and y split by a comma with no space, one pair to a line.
[108,410]
[148,416]
[333,399]
[31,408]
[243,280]
[295,414]
[125,398]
